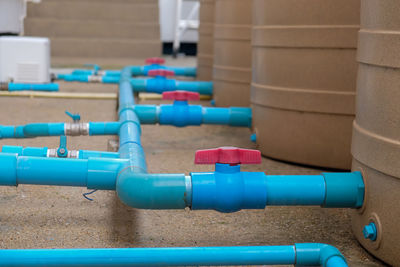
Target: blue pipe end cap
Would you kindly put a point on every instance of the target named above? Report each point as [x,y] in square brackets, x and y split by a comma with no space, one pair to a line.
[344,190]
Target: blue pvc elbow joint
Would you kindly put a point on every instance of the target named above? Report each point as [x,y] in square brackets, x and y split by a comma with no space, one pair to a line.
[316,254]
[181,114]
[228,189]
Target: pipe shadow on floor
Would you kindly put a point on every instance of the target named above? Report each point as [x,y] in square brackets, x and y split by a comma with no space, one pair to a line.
[123,223]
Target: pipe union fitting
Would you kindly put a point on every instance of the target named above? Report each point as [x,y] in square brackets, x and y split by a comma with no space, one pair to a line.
[52,153]
[76,128]
[95,79]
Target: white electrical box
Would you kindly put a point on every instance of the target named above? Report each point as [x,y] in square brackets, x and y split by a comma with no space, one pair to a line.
[24,59]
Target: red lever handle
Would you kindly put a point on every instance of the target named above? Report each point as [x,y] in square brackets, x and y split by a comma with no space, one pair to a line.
[160,72]
[228,155]
[181,96]
[155,60]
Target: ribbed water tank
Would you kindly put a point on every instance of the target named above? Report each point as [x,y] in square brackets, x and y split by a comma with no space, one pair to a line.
[304,79]
[205,47]
[376,130]
[232,52]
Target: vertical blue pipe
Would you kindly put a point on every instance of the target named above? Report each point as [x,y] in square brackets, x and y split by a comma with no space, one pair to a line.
[129,133]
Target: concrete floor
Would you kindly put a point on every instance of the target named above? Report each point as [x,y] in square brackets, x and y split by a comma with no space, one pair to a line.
[59,217]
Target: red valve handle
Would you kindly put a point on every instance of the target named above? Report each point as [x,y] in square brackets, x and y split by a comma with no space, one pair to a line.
[181,96]
[228,155]
[160,72]
[155,60]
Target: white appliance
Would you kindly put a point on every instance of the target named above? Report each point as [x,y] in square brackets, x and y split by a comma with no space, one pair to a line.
[12,14]
[168,10]
[24,59]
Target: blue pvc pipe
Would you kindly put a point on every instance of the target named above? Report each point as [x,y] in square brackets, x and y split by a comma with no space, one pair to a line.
[110,79]
[32,130]
[43,129]
[27,151]
[226,190]
[55,129]
[295,190]
[42,152]
[73,78]
[300,254]
[104,128]
[93,173]
[154,191]
[179,71]
[139,71]
[317,254]
[191,256]
[84,72]
[33,87]
[85,154]
[177,114]
[185,115]
[160,85]
[153,85]
[129,132]
[229,190]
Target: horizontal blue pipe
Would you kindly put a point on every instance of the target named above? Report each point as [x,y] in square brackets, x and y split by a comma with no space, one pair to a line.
[229,190]
[55,129]
[179,71]
[32,130]
[150,256]
[186,115]
[42,152]
[33,87]
[160,85]
[226,190]
[300,254]
[73,77]
[295,189]
[93,173]
[104,128]
[84,72]
[85,154]
[27,151]
[139,71]
[153,85]
[177,115]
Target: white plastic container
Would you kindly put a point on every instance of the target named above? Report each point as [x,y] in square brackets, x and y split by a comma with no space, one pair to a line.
[24,59]
[12,14]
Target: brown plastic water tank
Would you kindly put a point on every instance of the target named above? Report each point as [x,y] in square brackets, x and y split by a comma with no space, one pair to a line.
[232,52]
[304,79]
[376,130]
[205,47]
